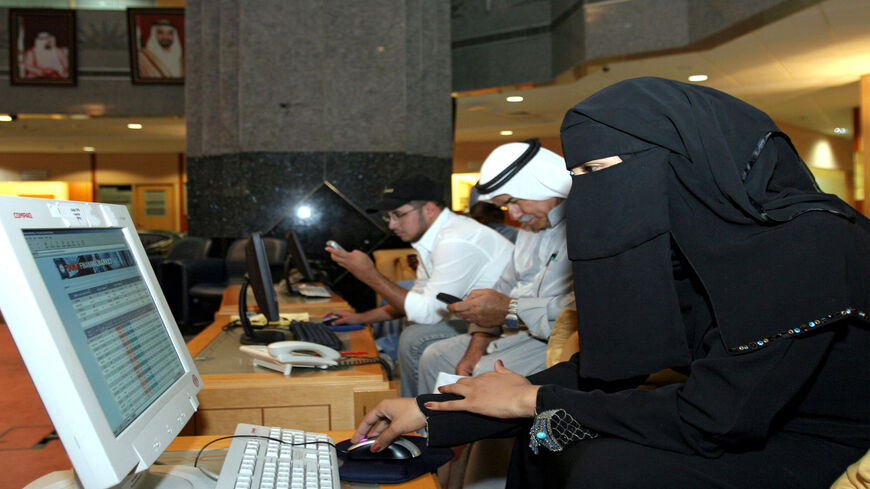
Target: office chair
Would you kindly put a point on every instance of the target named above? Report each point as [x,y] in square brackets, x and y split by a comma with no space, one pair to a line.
[203,281]
[189,249]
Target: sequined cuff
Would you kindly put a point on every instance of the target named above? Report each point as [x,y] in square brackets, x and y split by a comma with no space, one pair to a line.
[554,429]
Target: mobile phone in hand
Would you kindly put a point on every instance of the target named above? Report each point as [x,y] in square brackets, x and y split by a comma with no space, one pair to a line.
[333,244]
[447,298]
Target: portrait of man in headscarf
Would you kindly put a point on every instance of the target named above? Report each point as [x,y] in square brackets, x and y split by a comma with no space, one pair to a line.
[157,39]
[45,59]
[43,46]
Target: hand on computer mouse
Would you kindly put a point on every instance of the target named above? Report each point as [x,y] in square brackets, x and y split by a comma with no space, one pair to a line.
[340,317]
[401,448]
[388,420]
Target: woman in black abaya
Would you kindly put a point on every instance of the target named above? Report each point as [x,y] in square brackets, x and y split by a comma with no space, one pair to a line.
[700,243]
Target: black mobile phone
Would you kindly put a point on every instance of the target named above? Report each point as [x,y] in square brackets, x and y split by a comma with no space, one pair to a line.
[447,298]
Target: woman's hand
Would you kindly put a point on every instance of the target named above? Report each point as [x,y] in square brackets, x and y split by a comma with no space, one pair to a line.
[500,394]
[389,419]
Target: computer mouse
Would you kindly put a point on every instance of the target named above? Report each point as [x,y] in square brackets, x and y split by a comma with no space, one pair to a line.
[401,448]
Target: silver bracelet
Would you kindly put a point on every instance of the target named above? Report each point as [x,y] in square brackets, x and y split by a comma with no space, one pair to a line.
[554,429]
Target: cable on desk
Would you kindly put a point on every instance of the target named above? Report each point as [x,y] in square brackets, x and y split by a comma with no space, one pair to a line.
[352,360]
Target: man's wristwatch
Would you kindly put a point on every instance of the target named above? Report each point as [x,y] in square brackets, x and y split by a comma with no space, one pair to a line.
[511,320]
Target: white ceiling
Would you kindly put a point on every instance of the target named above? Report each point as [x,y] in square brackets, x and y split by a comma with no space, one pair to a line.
[61,134]
[803,70]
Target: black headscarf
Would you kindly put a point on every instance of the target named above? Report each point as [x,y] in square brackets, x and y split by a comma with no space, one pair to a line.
[710,179]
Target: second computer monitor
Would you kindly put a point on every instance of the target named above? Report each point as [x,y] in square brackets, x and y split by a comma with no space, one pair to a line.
[296,255]
[260,277]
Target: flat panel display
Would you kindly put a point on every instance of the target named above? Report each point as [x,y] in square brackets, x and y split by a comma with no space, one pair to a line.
[109,316]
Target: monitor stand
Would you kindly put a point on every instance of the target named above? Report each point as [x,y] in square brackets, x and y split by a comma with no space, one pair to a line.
[157,477]
[251,337]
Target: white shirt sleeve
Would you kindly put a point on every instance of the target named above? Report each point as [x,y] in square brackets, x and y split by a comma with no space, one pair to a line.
[457,268]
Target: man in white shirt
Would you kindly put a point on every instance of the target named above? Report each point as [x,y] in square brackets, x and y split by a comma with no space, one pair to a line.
[456,255]
[512,321]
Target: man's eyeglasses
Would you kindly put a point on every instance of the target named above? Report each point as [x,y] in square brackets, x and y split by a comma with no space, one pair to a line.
[391,215]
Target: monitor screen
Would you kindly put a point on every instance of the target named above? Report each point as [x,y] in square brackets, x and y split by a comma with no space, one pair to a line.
[109,317]
[95,333]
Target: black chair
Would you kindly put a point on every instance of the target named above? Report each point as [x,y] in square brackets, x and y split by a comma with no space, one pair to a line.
[203,281]
[158,242]
[167,269]
[188,247]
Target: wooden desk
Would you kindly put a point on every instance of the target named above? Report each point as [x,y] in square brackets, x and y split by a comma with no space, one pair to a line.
[234,391]
[427,481]
[315,306]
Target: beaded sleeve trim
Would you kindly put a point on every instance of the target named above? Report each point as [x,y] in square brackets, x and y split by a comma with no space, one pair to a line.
[803,328]
[556,428]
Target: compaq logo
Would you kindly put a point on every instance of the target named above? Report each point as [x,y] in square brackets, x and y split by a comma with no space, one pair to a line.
[388,190]
[22,215]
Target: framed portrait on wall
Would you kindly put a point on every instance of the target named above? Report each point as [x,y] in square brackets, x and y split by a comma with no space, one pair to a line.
[156,44]
[42,46]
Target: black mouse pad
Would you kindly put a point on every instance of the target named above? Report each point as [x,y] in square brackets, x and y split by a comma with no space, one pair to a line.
[391,471]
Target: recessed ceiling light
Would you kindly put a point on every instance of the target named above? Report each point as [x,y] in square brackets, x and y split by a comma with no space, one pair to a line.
[697,78]
[88,148]
[506,133]
[515,98]
[840,130]
[6,118]
[134,125]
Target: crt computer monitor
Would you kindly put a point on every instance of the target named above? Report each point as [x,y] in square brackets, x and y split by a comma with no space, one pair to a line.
[259,277]
[96,335]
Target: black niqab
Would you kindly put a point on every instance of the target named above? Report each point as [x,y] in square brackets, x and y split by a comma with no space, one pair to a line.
[715,178]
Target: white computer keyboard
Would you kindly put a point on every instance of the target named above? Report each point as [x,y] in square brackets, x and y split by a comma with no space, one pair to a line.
[298,463]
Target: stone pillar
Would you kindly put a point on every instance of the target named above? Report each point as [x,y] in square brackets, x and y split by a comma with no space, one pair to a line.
[283,95]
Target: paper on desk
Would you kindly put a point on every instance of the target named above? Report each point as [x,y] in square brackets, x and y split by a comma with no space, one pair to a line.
[260,319]
[446,379]
[309,290]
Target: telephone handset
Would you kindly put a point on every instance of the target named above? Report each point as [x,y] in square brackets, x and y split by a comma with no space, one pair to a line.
[284,355]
